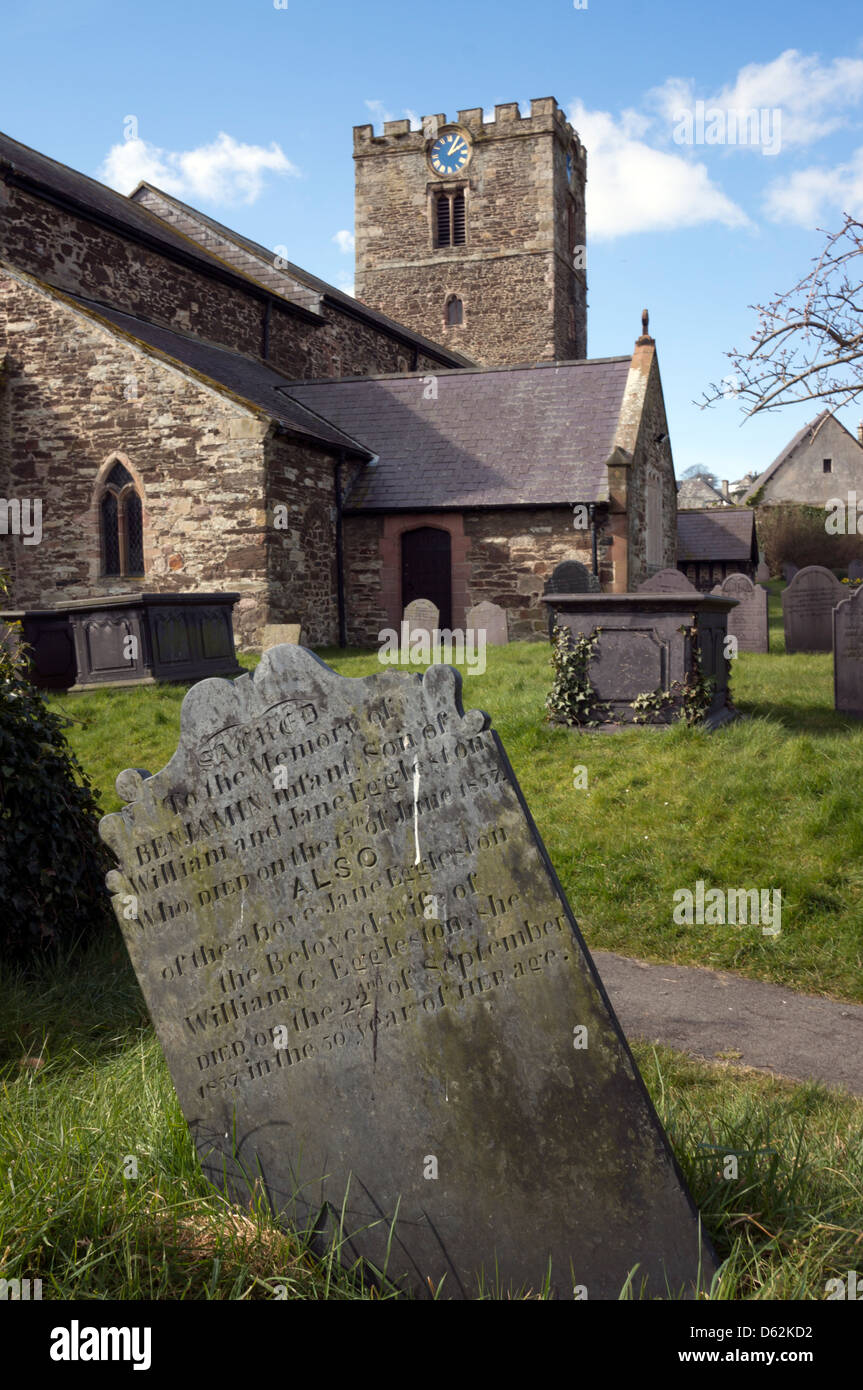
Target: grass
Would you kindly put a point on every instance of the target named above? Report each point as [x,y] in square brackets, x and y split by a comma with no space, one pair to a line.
[770,801]
[86,1089]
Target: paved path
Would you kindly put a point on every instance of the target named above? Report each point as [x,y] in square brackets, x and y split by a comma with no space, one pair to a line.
[709,1013]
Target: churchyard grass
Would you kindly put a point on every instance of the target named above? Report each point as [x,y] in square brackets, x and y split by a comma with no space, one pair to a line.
[768,802]
[86,1089]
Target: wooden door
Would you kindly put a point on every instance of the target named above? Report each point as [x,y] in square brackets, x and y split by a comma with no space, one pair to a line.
[427,569]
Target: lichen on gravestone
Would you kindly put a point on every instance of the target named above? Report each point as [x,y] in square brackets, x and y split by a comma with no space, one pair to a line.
[371,991]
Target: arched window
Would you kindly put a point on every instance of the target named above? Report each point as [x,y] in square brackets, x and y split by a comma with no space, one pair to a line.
[121,524]
[450,219]
[454,310]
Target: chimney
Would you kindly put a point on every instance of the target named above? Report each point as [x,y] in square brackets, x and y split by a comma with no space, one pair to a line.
[725,492]
[860,432]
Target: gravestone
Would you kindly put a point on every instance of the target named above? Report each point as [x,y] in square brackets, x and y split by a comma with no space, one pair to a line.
[807,609]
[421,616]
[490,618]
[855,569]
[848,655]
[762,574]
[748,621]
[572,577]
[670,581]
[789,569]
[277,634]
[374,999]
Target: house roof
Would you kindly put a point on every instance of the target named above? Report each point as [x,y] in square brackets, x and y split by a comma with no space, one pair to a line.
[697,491]
[254,382]
[804,435]
[503,437]
[717,533]
[308,288]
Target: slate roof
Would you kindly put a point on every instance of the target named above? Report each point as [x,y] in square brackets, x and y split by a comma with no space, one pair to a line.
[698,492]
[253,381]
[315,288]
[504,437]
[717,533]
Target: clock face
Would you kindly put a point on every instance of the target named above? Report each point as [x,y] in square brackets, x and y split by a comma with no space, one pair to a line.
[449,153]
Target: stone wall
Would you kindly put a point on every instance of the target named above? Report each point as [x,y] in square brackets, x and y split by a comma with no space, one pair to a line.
[302,554]
[197,457]
[802,478]
[653,450]
[507,557]
[523,299]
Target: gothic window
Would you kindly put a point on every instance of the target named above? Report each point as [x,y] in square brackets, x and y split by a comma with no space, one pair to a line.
[450,219]
[121,524]
[454,311]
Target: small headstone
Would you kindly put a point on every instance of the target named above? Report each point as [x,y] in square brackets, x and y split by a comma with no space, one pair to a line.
[789,569]
[490,618]
[421,616]
[855,569]
[848,655]
[572,577]
[374,1000]
[276,634]
[762,574]
[667,582]
[807,609]
[748,621]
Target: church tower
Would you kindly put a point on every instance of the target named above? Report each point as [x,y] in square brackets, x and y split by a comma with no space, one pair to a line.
[472,232]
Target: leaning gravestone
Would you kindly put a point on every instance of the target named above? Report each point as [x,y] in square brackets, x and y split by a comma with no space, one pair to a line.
[748,621]
[373,998]
[668,581]
[848,655]
[807,609]
[421,616]
[788,571]
[489,618]
[762,574]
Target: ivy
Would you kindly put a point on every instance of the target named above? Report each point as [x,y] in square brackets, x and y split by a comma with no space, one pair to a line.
[573,699]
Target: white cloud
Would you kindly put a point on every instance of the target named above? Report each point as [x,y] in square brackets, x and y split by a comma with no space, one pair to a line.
[808,197]
[225,171]
[812,96]
[344,241]
[635,188]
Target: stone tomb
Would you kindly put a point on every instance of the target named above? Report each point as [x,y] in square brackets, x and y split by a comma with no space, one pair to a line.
[421,616]
[491,619]
[373,997]
[748,621]
[848,655]
[807,609]
[668,581]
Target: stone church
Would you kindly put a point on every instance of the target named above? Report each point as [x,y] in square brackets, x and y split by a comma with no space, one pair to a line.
[195,413]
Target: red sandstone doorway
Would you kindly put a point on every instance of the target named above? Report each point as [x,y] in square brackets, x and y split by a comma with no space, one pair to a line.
[427,569]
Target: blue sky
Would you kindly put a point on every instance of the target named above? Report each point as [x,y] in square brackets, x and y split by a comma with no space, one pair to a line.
[245,109]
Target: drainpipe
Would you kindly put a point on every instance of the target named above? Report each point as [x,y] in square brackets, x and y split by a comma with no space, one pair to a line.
[340,554]
[591,515]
